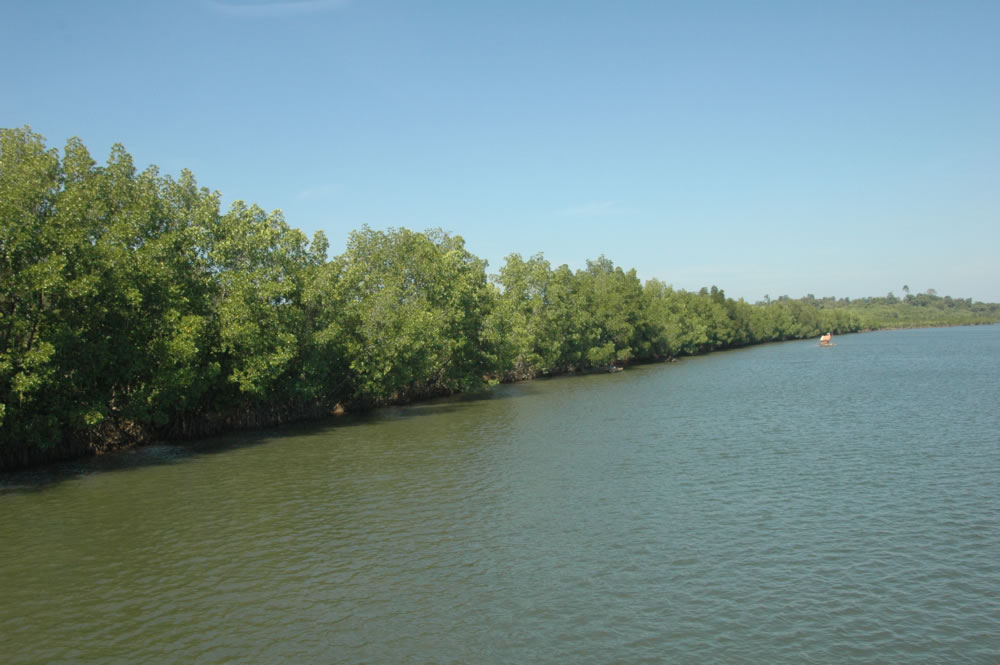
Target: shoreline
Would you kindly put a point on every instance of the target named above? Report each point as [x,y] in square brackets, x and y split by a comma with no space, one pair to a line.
[117,438]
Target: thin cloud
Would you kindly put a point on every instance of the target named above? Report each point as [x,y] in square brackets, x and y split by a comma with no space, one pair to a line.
[248,8]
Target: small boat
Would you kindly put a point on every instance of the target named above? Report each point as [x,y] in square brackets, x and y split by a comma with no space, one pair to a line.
[826,340]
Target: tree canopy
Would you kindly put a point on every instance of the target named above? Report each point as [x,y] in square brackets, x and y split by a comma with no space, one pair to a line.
[131,306]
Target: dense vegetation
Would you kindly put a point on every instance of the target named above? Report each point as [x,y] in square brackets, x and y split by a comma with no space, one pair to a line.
[132,307]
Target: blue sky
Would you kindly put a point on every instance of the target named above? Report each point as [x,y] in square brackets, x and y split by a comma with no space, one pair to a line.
[834,148]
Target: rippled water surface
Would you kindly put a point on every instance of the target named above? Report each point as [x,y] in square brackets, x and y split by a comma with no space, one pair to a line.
[780,504]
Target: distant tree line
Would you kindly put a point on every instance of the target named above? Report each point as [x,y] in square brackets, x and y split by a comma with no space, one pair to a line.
[131,307]
[922,309]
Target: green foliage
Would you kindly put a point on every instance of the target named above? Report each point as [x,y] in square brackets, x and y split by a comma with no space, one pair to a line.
[261,267]
[612,300]
[31,283]
[128,301]
[411,310]
[541,309]
[922,309]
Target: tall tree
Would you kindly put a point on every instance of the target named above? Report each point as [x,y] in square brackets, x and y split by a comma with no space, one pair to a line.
[32,262]
[412,307]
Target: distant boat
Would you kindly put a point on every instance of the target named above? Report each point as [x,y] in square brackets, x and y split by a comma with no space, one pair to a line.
[826,340]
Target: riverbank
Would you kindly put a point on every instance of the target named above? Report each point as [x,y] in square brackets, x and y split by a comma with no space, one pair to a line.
[117,437]
[156,315]
[113,437]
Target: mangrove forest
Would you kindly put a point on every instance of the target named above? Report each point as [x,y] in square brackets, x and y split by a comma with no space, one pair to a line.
[133,308]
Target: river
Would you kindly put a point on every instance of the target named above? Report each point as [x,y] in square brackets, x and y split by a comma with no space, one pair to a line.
[786,503]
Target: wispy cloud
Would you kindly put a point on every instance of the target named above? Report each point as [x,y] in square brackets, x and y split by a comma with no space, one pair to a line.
[253,9]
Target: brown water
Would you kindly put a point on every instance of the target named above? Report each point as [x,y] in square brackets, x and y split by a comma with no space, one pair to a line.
[781,504]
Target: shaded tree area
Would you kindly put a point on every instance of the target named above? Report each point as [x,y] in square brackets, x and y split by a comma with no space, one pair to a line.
[132,307]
